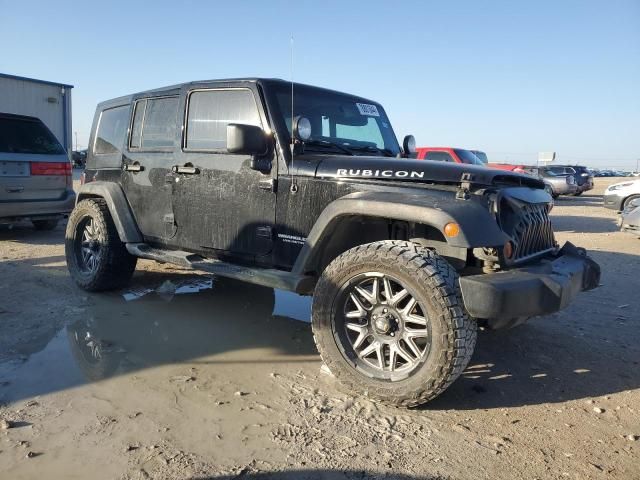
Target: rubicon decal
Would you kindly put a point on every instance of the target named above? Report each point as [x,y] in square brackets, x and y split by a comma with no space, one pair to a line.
[343,172]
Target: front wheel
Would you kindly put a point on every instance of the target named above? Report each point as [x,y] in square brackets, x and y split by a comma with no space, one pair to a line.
[96,258]
[389,323]
[628,200]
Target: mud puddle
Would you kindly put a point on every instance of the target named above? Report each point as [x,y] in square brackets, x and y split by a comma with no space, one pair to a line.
[111,336]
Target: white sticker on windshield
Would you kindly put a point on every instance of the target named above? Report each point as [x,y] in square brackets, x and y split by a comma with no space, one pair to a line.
[368,110]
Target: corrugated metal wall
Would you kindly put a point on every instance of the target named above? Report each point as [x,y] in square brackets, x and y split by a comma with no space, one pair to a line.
[50,103]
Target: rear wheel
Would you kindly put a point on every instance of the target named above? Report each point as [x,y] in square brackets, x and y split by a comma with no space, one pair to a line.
[96,258]
[44,225]
[388,322]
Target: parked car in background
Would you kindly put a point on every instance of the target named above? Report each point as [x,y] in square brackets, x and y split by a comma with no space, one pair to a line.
[557,181]
[448,154]
[510,167]
[481,156]
[35,173]
[619,195]
[630,218]
[584,179]
[79,157]
[582,175]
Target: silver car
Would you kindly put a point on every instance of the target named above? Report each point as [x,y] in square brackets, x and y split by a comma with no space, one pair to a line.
[556,183]
[629,220]
[35,173]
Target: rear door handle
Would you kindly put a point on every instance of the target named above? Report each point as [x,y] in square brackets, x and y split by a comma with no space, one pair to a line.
[185,169]
[133,167]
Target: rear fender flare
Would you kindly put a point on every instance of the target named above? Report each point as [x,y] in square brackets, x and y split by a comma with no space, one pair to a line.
[118,206]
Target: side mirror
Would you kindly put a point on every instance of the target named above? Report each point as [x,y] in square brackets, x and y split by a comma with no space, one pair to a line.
[246,139]
[409,146]
[301,128]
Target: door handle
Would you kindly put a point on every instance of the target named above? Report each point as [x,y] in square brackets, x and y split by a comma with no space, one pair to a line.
[185,169]
[133,167]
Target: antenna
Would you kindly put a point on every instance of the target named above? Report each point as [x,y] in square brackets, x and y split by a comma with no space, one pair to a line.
[294,185]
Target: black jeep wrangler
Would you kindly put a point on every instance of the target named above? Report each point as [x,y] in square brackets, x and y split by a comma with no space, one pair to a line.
[306,189]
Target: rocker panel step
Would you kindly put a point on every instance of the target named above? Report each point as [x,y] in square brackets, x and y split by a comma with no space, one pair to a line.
[267,277]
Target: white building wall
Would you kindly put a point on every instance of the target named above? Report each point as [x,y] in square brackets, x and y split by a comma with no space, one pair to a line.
[49,103]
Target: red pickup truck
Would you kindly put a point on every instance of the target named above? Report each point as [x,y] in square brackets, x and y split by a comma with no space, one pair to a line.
[447,154]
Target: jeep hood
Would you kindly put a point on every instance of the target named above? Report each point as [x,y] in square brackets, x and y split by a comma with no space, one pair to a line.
[408,170]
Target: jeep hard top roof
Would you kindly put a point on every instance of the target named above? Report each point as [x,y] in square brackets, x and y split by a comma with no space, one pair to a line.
[175,89]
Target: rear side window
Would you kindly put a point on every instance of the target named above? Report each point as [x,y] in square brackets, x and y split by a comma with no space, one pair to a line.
[438,156]
[154,123]
[112,128]
[210,111]
[23,135]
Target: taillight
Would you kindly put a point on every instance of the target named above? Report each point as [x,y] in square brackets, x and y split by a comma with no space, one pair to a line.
[51,168]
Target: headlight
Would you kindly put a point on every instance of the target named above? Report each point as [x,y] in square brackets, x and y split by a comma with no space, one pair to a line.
[619,186]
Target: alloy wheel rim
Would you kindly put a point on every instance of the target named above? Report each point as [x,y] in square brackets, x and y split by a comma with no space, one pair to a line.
[90,246]
[384,329]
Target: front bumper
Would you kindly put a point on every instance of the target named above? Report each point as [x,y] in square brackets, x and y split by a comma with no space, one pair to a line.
[612,201]
[506,298]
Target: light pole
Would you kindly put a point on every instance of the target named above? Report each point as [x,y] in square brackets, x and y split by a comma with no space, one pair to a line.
[76,141]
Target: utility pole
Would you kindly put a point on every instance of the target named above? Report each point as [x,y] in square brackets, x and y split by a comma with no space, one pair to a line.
[76,141]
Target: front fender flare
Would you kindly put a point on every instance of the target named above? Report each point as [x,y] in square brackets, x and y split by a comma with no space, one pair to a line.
[118,206]
[478,228]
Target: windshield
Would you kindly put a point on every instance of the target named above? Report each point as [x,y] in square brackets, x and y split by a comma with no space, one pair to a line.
[481,156]
[20,135]
[349,122]
[467,157]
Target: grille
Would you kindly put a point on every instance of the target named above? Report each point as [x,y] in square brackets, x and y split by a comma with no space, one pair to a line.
[529,227]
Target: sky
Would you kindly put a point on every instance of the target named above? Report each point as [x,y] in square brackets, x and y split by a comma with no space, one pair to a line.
[510,78]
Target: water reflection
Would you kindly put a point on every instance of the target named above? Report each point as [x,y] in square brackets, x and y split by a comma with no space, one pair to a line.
[232,322]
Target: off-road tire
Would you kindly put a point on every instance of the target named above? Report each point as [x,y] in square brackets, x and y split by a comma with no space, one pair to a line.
[45,225]
[115,266]
[435,284]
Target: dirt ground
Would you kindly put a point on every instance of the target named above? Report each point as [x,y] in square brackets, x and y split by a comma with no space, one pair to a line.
[226,383]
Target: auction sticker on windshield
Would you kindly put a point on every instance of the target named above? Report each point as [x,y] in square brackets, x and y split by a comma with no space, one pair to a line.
[369,110]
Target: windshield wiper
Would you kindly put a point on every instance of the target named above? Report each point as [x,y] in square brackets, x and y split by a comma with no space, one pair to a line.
[369,148]
[328,144]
